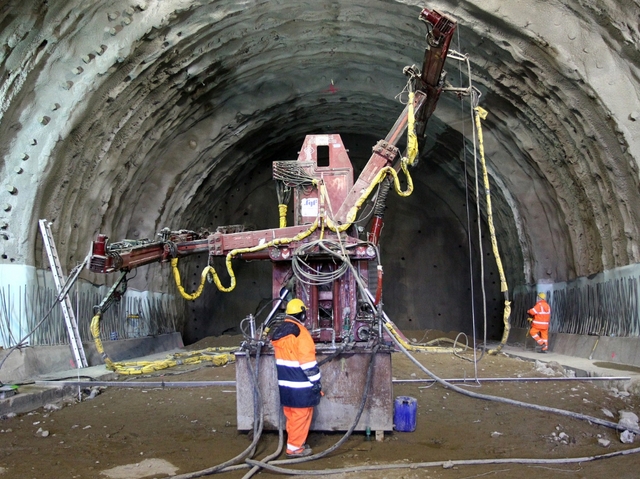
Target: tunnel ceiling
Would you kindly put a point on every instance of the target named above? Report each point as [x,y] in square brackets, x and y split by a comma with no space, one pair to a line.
[123,117]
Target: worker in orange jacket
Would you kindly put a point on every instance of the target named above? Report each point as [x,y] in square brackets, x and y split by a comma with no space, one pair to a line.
[539,319]
[298,376]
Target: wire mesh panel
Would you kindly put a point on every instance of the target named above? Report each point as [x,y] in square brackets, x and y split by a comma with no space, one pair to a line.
[137,314]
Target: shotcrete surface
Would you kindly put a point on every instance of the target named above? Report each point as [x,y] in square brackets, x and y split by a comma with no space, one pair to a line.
[162,432]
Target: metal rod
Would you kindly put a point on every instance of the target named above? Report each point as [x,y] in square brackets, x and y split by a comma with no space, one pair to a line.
[196,384]
[471,380]
[139,384]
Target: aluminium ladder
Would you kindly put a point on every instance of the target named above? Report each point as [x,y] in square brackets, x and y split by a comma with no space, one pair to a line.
[65,302]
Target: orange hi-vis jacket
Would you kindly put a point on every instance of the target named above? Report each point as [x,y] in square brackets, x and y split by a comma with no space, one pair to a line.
[298,371]
[541,313]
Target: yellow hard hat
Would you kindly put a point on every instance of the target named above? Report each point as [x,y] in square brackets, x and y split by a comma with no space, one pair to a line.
[295,306]
[542,296]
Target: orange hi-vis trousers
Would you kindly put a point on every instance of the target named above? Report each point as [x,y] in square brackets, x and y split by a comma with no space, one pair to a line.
[298,423]
[541,336]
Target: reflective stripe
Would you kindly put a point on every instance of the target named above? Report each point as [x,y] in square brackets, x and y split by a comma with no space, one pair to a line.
[309,365]
[288,363]
[295,384]
[540,322]
[315,377]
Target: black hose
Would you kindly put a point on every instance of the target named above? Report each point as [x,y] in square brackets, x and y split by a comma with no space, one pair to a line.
[513,402]
[271,456]
[448,464]
[256,437]
[342,440]
[332,356]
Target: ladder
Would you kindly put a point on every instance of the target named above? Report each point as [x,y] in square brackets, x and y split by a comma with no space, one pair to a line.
[67,310]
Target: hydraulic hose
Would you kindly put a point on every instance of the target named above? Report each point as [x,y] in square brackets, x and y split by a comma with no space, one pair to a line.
[512,402]
[452,463]
[447,464]
[342,440]
[272,456]
[266,463]
[249,450]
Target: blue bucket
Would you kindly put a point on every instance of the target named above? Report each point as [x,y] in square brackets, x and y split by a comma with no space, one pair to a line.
[404,414]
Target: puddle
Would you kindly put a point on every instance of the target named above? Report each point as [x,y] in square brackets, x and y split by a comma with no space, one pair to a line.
[146,468]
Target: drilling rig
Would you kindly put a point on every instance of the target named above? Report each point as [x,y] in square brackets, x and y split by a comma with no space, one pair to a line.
[320,259]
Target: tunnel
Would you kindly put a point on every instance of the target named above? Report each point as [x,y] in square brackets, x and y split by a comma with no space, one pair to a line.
[125,117]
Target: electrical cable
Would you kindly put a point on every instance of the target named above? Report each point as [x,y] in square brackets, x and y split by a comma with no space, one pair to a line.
[469,243]
[310,275]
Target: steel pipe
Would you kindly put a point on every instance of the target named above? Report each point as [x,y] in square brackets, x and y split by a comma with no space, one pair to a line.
[471,380]
[138,384]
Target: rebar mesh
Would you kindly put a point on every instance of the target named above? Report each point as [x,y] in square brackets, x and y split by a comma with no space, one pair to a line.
[608,307]
[135,315]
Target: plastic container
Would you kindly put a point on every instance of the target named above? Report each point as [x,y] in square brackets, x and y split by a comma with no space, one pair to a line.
[405,413]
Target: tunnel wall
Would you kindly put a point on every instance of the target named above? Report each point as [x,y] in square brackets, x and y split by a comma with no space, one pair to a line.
[125,117]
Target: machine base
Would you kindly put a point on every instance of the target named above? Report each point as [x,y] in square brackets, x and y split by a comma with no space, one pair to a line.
[343,382]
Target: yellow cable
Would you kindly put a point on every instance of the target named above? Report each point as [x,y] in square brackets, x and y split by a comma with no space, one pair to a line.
[412,153]
[216,356]
[412,139]
[95,332]
[211,270]
[416,347]
[481,114]
[132,368]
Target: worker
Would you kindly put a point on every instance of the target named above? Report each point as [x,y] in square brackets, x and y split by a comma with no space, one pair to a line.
[298,376]
[539,319]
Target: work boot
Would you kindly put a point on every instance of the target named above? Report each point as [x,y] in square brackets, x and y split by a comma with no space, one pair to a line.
[303,451]
[543,351]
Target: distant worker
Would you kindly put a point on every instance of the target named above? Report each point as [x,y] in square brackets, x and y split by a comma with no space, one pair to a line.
[539,319]
[298,376]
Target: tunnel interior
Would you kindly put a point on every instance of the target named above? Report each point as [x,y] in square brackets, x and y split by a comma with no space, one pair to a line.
[126,117]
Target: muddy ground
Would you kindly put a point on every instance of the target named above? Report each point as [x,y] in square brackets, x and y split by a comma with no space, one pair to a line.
[154,433]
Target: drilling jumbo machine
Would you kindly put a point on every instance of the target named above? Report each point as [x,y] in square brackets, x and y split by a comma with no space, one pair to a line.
[321,260]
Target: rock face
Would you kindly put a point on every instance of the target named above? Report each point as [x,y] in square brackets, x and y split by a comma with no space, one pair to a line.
[124,117]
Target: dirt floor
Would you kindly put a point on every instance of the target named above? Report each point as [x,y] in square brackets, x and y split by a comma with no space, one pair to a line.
[154,433]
